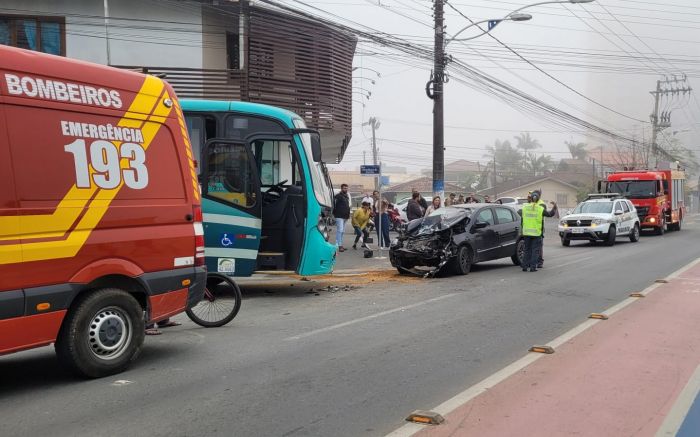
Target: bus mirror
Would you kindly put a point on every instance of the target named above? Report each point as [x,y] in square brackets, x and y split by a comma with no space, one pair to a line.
[316,146]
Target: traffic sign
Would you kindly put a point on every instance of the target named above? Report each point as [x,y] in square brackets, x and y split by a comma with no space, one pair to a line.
[370,170]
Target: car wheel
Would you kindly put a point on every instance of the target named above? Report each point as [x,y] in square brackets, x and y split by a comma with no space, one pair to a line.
[612,234]
[102,333]
[565,242]
[634,235]
[519,254]
[403,268]
[462,262]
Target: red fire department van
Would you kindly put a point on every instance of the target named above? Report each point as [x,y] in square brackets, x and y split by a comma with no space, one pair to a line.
[100,219]
[658,196]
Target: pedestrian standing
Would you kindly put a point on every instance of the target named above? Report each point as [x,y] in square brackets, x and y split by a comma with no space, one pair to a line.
[421,200]
[413,209]
[360,220]
[383,233]
[434,206]
[341,212]
[460,199]
[532,220]
[487,199]
[451,200]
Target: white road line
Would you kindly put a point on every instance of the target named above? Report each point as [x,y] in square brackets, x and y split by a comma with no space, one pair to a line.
[462,398]
[675,418]
[571,262]
[370,317]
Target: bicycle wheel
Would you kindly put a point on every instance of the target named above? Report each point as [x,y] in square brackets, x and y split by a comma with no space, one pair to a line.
[221,302]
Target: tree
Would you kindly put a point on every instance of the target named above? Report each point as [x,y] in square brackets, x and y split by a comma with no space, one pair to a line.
[526,142]
[538,165]
[577,150]
[509,160]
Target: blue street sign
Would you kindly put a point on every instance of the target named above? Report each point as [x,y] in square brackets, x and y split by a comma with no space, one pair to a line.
[438,186]
[493,23]
[370,170]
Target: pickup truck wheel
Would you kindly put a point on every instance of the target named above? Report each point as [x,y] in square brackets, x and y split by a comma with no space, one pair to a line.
[612,234]
[634,235]
[462,262]
[102,333]
[565,242]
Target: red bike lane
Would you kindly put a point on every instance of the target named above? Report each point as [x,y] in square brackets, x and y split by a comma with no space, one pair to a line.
[623,376]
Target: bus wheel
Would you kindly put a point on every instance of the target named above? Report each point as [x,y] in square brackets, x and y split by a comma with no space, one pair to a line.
[102,333]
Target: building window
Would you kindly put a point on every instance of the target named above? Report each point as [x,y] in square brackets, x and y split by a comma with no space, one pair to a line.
[233,52]
[42,34]
[562,199]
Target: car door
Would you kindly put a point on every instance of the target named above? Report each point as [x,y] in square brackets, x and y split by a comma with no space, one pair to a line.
[508,229]
[486,241]
[619,217]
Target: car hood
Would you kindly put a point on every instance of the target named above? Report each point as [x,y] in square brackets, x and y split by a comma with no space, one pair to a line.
[587,216]
[436,223]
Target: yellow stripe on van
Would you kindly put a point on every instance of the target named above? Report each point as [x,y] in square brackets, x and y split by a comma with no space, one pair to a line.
[74,203]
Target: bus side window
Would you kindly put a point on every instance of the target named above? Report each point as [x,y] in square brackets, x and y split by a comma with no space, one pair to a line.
[230,175]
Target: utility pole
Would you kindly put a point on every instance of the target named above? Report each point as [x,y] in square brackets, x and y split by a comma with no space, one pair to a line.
[434,89]
[662,121]
[495,179]
[374,123]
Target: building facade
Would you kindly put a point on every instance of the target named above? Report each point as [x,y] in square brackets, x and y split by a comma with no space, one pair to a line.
[217,49]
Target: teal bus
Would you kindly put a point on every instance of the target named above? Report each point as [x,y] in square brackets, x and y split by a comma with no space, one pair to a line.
[266,194]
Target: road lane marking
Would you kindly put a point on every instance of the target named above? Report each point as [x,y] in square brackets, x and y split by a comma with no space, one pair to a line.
[571,262]
[484,385]
[675,418]
[370,317]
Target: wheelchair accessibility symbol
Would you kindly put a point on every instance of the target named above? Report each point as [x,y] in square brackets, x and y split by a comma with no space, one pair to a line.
[225,241]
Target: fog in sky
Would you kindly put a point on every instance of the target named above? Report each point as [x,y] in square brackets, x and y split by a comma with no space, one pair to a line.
[610,51]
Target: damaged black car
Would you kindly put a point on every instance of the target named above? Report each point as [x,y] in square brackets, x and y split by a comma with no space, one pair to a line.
[453,238]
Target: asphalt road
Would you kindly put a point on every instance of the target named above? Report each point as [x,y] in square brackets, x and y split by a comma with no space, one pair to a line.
[297,362]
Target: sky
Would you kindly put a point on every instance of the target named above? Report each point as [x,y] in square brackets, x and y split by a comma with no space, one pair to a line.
[600,62]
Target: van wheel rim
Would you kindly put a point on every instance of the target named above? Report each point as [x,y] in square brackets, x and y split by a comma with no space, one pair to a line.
[109,334]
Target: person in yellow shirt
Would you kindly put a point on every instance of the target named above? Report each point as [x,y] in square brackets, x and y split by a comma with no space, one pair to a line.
[360,220]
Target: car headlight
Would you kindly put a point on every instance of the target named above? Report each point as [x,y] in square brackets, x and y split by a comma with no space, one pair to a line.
[562,222]
[599,221]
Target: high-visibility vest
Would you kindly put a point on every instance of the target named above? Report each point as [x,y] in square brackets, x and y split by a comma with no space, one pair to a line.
[533,220]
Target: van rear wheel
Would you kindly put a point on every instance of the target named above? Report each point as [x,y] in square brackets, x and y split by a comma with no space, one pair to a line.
[102,333]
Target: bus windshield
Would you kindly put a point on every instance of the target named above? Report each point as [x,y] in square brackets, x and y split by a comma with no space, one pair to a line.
[321,188]
[634,189]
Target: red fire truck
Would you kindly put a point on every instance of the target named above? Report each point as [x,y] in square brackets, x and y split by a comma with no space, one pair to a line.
[100,218]
[658,196]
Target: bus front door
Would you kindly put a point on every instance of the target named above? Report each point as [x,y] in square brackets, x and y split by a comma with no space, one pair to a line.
[232,207]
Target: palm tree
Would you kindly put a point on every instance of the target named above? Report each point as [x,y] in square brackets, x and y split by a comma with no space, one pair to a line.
[526,142]
[509,160]
[577,150]
[538,165]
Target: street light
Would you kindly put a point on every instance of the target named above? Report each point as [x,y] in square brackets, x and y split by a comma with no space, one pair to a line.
[435,86]
[516,16]
[365,68]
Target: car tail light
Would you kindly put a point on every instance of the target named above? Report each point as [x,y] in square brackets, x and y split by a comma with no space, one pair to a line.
[198,237]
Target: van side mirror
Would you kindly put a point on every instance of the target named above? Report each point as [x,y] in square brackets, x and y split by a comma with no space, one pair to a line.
[316,146]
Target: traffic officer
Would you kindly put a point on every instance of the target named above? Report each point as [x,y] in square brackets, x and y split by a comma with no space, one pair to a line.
[533,215]
[552,213]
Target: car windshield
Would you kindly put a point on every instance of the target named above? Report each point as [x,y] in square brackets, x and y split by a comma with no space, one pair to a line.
[594,208]
[634,189]
[522,201]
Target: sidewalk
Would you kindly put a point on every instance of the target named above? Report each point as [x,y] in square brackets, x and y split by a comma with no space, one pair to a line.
[635,374]
[353,260]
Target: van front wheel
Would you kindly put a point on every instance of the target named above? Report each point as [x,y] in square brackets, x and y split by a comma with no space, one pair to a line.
[102,333]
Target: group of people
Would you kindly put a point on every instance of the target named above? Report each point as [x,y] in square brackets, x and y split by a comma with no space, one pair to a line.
[372,207]
[418,207]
